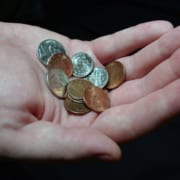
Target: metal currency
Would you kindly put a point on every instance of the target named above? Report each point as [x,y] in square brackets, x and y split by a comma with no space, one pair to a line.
[61,61]
[75,100]
[47,48]
[57,81]
[76,88]
[83,64]
[74,107]
[116,73]
[99,77]
[96,99]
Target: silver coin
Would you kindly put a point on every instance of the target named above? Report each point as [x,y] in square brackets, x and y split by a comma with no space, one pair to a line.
[99,77]
[82,64]
[47,48]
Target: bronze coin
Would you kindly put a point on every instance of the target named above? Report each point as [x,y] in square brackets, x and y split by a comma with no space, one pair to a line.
[96,99]
[116,73]
[61,61]
[75,100]
[57,81]
[76,87]
[74,107]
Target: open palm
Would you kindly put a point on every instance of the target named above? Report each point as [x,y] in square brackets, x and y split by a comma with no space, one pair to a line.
[34,123]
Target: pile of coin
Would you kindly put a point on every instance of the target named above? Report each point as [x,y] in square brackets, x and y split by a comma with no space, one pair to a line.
[77,80]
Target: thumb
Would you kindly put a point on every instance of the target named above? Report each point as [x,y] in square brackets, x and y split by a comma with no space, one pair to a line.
[44,140]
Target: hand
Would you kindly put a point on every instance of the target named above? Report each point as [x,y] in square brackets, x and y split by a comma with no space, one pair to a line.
[151,94]
[34,123]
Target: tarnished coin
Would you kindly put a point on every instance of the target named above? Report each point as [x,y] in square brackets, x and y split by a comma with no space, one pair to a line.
[99,77]
[74,107]
[75,100]
[57,81]
[116,73]
[82,63]
[96,99]
[61,61]
[47,48]
[76,87]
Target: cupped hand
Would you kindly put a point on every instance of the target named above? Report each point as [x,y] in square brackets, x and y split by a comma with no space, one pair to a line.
[34,123]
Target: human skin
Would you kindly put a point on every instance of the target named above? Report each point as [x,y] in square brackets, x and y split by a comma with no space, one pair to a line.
[35,125]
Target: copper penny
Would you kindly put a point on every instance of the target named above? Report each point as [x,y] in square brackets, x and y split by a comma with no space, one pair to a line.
[96,99]
[57,81]
[74,107]
[61,61]
[116,73]
[76,87]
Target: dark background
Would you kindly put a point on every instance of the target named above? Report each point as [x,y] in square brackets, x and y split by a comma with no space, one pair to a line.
[155,156]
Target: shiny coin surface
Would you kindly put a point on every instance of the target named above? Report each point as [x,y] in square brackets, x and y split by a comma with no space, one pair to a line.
[116,73]
[74,107]
[47,48]
[96,99]
[99,77]
[61,61]
[57,81]
[82,63]
[76,88]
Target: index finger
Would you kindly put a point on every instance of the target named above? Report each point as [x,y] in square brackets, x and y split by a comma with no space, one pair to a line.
[122,43]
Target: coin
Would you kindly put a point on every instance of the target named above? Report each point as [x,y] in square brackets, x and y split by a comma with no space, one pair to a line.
[76,87]
[47,48]
[74,107]
[75,100]
[99,77]
[96,99]
[57,81]
[61,61]
[82,63]
[116,73]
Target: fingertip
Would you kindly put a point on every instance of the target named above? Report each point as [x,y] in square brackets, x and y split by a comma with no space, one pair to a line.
[166,26]
[115,156]
[105,148]
[116,153]
[159,26]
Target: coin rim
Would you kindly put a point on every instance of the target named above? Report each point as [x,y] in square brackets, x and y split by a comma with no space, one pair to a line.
[37,51]
[76,112]
[90,70]
[47,82]
[105,83]
[90,107]
[123,76]
[69,59]
[75,98]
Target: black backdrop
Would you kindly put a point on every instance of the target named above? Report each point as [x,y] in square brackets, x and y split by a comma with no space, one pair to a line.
[155,156]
